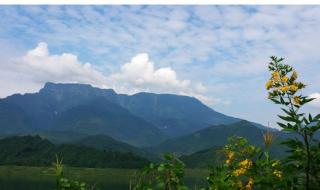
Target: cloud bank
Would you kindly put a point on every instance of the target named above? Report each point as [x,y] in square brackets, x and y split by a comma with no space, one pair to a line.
[38,66]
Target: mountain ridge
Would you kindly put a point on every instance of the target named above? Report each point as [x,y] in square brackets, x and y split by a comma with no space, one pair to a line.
[213,136]
[142,119]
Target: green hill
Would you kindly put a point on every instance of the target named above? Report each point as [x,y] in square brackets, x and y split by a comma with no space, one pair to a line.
[58,137]
[104,142]
[35,151]
[212,137]
[203,158]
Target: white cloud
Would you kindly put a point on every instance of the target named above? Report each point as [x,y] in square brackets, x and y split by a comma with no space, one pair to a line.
[140,72]
[224,47]
[38,66]
[315,103]
[43,67]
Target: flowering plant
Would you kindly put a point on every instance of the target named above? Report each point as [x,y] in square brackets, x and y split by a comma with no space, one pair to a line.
[285,90]
[246,167]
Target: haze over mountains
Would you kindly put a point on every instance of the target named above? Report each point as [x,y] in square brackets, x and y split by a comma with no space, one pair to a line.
[141,119]
[145,124]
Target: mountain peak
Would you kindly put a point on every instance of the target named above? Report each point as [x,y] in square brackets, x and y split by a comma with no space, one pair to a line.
[51,85]
[72,87]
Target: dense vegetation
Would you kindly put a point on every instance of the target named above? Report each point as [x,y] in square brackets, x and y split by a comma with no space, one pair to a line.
[204,158]
[249,167]
[35,151]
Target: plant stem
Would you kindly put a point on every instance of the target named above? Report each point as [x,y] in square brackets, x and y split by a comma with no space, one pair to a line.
[307,169]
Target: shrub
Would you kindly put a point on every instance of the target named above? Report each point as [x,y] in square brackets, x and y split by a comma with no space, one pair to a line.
[247,166]
[164,176]
[63,183]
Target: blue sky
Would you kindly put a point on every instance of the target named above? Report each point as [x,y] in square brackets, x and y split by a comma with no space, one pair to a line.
[218,54]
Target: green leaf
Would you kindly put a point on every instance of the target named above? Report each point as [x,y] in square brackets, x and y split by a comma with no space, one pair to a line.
[286,118]
[282,125]
[310,118]
[275,100]
[306,100]
[288,130]
[293,143]
[313,129]
[288,112]
[305,121]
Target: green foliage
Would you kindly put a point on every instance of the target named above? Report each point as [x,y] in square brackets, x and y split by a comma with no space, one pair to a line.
[35,151]
[63,183]
[246,167]
[249,167]
[302,161]
[203,158]
[164,176]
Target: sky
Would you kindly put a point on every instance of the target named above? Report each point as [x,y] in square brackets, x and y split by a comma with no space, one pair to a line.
[218,54]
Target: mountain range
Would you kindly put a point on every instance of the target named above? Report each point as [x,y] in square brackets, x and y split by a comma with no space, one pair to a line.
[144,124]
[142,119]
[212,136]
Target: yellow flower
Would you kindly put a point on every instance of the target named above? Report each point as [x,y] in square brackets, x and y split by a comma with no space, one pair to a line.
[230,155]
[275,163]
[246,163]
[275,76]
[250,184]
[284,79]
[269,84]
[277,173]
[294,76]
[239,171]
[296,100]
[284,88]
[293,88]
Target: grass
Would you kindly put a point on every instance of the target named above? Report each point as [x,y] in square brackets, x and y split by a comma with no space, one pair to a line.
[42,178]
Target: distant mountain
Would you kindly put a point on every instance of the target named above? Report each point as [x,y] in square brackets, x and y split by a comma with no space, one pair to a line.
[213,136]
[175,115]
[35,151]
[100,116]
[13,119]
[78,108]
[143,119]
[103,142]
